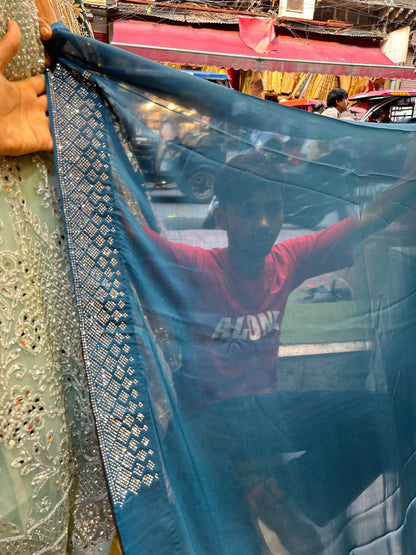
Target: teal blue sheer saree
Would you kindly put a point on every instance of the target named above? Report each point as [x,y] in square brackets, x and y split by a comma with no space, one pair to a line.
[238,413]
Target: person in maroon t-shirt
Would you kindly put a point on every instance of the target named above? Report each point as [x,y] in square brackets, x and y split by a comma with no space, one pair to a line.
[234,301]
[235,298]
[239,294]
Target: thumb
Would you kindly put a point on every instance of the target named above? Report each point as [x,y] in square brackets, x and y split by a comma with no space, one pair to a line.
[9,44]
[44,29]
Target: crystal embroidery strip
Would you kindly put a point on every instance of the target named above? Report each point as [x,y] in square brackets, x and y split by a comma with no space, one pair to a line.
[118,396]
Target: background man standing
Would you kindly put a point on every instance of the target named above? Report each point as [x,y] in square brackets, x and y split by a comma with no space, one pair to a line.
[337,104]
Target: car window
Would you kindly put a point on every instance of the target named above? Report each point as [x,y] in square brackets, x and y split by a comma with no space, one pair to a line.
[401,108]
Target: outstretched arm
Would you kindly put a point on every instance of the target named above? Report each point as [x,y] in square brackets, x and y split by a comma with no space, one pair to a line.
[23,105]
[390,204]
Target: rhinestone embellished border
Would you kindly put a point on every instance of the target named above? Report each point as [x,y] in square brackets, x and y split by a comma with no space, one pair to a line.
[117,391]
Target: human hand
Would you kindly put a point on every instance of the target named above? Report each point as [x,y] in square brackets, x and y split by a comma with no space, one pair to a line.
[47,15]
[23,105]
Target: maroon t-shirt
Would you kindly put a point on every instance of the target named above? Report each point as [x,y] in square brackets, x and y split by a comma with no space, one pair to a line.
[233,322]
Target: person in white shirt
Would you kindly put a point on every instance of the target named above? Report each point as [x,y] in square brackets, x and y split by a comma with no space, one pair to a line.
[337,104]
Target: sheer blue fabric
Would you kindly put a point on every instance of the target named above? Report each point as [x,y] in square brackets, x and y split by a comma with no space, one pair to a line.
[255,398]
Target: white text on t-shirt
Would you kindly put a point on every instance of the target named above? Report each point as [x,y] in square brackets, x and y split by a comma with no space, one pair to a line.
[250,326]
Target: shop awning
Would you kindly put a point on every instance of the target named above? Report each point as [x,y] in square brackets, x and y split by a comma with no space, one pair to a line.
[212,47]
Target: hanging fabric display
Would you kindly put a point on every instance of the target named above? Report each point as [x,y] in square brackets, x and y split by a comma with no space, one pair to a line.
[258,396]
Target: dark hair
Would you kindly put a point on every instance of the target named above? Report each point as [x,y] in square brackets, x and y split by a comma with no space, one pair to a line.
[334,95]
[243,176]
[318,106]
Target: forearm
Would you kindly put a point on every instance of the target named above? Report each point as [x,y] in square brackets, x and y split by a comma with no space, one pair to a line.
[388,206]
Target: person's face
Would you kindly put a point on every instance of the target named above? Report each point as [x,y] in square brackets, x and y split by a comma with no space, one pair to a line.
[384,114]
[253,225]
[342,105]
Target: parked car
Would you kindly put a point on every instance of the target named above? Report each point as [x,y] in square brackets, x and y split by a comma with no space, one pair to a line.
[399,106]
[177,151]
